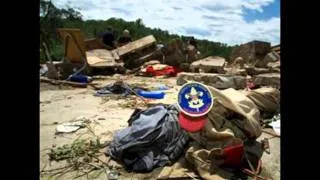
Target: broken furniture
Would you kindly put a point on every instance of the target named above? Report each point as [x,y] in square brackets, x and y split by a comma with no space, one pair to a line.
[91,52]
[131,53]
[76,52]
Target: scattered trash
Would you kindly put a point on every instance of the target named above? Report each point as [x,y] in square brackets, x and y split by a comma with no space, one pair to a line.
[113,175]
[119,87]
[276,126]
[155,152]
[69,127]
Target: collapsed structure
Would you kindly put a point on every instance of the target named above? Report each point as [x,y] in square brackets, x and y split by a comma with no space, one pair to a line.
[256,59]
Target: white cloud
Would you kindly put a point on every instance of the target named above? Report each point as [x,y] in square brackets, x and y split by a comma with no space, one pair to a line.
[215,20]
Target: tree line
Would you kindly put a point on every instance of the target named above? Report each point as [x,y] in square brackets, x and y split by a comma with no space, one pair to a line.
[52,18]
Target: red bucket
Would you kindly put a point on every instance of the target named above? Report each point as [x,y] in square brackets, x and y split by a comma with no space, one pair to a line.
[233,154]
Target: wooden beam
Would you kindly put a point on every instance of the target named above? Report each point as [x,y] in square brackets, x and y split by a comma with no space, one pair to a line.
[57,82]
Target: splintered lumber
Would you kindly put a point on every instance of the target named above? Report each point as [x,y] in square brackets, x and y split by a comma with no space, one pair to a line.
[136,45]
[57,82]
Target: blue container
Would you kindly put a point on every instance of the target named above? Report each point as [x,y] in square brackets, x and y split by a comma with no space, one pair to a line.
[151,94]
[80,78]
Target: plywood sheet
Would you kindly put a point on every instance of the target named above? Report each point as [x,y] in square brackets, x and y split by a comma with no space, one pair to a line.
[135,45]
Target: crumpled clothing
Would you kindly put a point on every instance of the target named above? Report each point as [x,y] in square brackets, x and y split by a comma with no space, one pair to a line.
[154,139]
[118,88]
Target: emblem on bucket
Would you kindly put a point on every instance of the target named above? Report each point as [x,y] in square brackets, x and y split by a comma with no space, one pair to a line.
[195,99]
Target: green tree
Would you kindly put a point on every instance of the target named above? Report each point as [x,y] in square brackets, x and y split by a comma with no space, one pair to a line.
[52,18]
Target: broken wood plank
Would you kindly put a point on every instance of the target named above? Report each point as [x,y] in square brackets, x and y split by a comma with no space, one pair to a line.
[57,82]
[136,45]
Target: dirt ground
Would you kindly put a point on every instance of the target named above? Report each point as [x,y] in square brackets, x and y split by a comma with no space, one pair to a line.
[60,104]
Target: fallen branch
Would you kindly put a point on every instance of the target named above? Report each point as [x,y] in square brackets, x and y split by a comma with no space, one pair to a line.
[50,170]
[57,82]
[63,171]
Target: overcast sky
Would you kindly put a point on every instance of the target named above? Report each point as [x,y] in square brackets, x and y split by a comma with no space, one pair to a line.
[226,21]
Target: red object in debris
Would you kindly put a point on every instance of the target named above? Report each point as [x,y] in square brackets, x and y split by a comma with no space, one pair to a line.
[250,85]
[168,70]
[233,154]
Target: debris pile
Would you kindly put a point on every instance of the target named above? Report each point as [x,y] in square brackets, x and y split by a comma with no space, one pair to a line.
[244,91]
[254,60]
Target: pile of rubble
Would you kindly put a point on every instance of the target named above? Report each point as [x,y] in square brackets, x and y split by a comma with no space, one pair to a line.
[255,60]
[253,65]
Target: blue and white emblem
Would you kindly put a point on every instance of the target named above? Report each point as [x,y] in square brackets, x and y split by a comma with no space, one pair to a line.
[195,99]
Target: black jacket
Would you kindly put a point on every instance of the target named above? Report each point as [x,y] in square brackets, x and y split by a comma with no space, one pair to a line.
[108,38]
